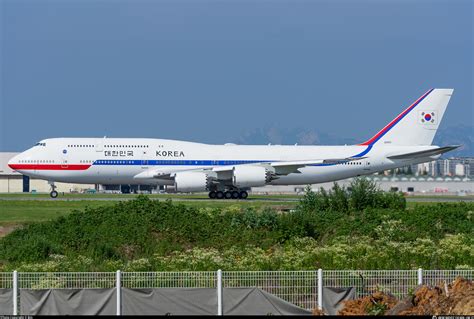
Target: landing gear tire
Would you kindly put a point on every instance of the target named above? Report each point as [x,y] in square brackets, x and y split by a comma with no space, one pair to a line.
[219,195]
[243,195]
[228,195]
[53,194]
[235,195]
[212,195]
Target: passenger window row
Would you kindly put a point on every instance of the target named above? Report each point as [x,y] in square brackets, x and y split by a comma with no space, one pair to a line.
[352,163]
[108,146]
[37,161]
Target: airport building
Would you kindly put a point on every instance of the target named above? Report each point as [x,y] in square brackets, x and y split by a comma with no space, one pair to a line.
[445,176]
[410,185]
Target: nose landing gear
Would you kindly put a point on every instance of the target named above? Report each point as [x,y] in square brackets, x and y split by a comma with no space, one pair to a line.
[53,192]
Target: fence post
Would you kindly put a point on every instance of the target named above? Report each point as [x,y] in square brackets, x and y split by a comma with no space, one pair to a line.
[420,276]
[15,293]
[219,292]
[320,289]
[118,285]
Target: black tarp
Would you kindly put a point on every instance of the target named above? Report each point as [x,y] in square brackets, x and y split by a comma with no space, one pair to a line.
[333,298]
[68,301]
[255,301]
[156,301]
[6,301]
[171,301]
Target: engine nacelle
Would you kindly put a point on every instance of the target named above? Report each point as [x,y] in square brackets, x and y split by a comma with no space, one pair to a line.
[192,182]
[251,176]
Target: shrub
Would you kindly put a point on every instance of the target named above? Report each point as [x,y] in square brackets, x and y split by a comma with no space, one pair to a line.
[146,234]
[363,194]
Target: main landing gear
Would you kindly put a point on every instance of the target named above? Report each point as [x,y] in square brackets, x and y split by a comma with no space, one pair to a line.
[53,192]
[228,194]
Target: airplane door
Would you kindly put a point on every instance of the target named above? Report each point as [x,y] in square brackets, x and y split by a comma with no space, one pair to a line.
[144,159]
[99,148]
[99,145]
[366,164]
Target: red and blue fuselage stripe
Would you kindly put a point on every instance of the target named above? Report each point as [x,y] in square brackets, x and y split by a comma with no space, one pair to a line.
[389,126]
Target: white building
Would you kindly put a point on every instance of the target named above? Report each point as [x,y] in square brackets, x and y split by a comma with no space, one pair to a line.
[413,185]
[459,170]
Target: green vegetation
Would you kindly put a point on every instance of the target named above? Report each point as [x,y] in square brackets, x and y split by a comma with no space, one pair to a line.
[358,229]
[17,211]
[24,211]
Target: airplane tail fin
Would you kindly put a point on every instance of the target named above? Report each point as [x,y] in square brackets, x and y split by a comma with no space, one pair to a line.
[417,125]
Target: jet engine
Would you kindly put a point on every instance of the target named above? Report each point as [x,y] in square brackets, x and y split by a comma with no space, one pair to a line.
[251,176]
[192,182]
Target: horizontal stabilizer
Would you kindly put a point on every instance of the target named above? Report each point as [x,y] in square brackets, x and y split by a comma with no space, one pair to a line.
[433,152]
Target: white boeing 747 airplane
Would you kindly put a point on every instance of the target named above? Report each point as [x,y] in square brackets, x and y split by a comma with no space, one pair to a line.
[228,171]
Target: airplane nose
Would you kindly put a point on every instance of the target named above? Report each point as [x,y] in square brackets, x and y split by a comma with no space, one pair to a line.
[12,162]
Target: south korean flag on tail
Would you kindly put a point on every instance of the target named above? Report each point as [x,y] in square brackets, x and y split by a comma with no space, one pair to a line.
[427,117]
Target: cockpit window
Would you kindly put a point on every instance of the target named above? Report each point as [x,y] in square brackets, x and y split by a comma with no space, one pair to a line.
[40,144]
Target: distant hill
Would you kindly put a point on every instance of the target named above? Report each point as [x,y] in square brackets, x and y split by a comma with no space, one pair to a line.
[454,135]
[457,135]
[276,135]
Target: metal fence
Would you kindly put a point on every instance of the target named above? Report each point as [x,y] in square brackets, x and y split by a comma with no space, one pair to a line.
[194,279]
[438,277]
[302,288]
[297,287]
[396,282]
[66,280]
[6,280]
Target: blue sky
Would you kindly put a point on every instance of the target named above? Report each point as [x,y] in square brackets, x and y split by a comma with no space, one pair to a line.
[211,70]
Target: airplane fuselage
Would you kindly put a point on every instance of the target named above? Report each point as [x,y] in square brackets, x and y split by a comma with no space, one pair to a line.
[120,160]
[229,170]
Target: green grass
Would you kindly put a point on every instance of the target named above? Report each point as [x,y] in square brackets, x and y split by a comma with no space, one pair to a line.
[14,212]
[19,208]
[150,235]
[18,211]
[24,211]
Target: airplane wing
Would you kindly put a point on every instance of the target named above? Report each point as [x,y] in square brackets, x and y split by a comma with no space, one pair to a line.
[280,168]
[433,152]
[288,167]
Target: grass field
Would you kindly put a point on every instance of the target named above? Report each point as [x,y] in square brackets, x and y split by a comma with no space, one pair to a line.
[364,228]
[21,211]
[154,235]
[22,208]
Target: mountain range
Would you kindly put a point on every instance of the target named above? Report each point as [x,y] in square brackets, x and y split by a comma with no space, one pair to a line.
[455,135]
